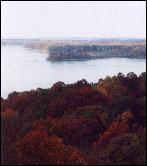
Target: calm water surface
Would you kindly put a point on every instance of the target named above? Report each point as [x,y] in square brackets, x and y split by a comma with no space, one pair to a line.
[24,69]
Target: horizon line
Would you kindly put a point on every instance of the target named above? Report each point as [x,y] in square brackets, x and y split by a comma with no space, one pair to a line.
[75,38]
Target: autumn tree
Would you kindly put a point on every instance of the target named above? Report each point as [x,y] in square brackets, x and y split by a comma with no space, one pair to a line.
[38,148]
[111,87]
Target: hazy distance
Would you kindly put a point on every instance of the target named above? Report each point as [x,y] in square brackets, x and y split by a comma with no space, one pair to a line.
[36,19]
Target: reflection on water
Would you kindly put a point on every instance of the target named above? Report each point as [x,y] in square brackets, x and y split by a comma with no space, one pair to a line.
[24,69]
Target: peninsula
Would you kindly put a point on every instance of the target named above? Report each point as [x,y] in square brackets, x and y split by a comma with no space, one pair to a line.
[84,49]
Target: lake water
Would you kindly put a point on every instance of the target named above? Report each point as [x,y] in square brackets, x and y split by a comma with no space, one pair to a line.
[23,69]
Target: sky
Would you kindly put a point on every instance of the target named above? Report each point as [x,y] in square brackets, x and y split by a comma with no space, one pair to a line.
[71,19]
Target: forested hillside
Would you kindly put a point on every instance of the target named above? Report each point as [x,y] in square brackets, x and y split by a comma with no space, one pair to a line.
[78,124]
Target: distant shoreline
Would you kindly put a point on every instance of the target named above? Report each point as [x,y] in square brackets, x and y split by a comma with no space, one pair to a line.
[60,60]
[84,49]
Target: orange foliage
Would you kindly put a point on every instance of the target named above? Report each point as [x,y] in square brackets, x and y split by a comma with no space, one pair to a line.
[38,148]
[116,128]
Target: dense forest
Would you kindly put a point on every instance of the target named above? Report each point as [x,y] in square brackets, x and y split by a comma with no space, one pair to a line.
[96,51]
[79,124]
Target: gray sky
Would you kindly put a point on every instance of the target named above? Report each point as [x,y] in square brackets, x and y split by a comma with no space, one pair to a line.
[32,19]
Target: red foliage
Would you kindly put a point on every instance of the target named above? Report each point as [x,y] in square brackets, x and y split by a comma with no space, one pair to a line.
[116,128]
[37,148]
[47,126]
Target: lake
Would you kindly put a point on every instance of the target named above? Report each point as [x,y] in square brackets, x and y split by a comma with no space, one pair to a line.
[23,69]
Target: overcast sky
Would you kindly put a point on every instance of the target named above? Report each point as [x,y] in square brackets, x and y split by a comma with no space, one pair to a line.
[36,19]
